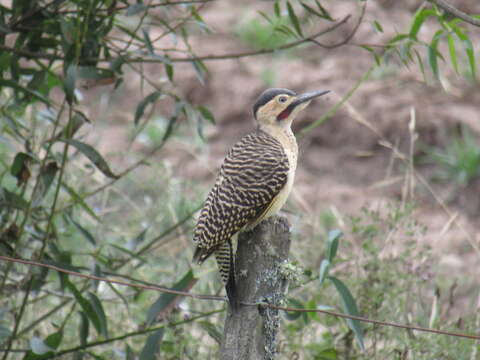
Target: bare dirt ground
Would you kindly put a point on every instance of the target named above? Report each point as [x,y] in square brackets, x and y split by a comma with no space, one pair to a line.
[343,164]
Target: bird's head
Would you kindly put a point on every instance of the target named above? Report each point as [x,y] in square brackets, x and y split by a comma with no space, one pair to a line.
[278,107]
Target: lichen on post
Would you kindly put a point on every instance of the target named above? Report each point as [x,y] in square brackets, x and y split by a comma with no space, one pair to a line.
[251,332]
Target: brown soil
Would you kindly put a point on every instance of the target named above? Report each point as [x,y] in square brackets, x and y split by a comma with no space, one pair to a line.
[342,163]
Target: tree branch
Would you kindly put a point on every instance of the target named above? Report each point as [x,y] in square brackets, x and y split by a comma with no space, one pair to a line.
[455,12]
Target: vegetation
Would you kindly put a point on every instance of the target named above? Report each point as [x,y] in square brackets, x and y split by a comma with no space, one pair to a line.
[69,202]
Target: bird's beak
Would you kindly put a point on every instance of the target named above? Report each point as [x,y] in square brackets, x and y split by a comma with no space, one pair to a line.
[307,97]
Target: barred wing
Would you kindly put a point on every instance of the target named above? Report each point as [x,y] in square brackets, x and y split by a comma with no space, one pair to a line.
[253,173]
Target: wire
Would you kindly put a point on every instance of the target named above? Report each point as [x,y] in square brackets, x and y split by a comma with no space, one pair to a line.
[221,298]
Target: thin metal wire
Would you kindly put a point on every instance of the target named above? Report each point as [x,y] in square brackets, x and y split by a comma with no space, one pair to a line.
[221,298]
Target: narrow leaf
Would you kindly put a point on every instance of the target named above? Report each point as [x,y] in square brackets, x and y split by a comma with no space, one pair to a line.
[166,302]
[19,88]
[85,305]
[452,51]
[332,244]
[20,167]
[83,328]
[149,99]
[148,42]
[212,330]
[69,83]
[92,155]
[46,177]
[418,21]
[206,114]
[324,269]
[433,53]
[86,234]
[98,308]
[350,307]
[294,19]
[152,346]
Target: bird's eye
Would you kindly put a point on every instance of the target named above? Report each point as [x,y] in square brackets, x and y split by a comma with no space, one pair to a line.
[282,99]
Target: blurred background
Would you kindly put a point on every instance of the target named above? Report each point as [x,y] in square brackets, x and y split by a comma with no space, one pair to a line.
[117,115]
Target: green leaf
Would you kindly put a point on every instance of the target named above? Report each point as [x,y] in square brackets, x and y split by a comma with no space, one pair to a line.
[38,346]
[148,42]
[294,19]
[69,83]
[206,114]
[350,307]
[152,346]
[324,269]
[200,70]
[79,200]
[166,302]
[86,234]
[86,306]
[325,13]
[129,354]
[452,51]
[92,155]
[420,63]
[212,330]
[332,244]
[46,177]
[75,123]
[469,50]
[320,14]
[9,199]
[83,328]
[98,308]
[276,9]
[43,349]
[433,53]
[418,20]
[169,71]
[149,99]
[19,88]
[377,26]
[54,340]
[294,315]
[19,168]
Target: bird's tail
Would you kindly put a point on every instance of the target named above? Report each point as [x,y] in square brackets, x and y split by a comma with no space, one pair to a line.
[226,267]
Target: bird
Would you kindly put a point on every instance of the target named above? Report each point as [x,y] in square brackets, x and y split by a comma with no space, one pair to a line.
[253,183]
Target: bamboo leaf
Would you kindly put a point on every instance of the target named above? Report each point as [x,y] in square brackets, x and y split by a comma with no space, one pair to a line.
[418,20]
[152,346]
[206,114]
[46,177]
[324,269]
[332,244]
[86,306]
[149,99]
[92,155]
[433,54]
[98,308]
[86,234]
[294,19]
[452,51]
[166,302]
[350,307]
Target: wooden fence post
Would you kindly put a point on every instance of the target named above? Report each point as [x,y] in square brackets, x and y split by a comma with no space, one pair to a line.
[251,333]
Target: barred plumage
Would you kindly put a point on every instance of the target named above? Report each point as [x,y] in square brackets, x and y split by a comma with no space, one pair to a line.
[254,181]
[253,173]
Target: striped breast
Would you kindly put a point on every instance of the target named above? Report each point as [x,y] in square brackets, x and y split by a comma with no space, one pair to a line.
[251,177]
